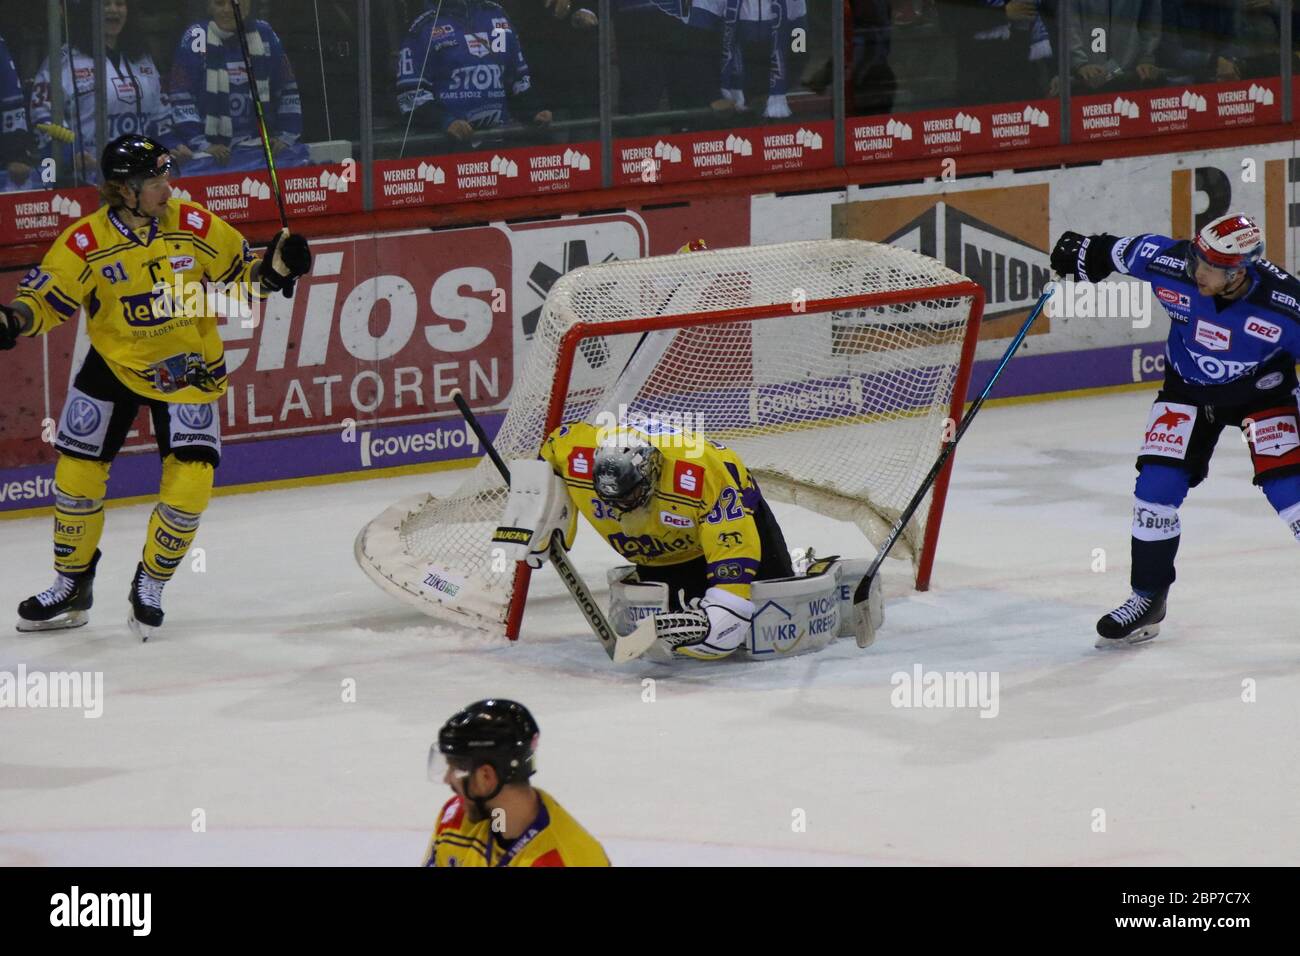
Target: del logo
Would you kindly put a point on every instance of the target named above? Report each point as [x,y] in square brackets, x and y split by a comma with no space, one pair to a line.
[676,521]
[1214,337]
[580,462]
[1261,329]
[688,479]
[182,263]
[82,242]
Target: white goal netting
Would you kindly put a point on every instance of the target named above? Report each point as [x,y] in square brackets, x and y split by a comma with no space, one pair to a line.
[835,401]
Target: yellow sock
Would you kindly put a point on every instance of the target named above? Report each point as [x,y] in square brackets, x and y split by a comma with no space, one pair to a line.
[186,490]
[79,488]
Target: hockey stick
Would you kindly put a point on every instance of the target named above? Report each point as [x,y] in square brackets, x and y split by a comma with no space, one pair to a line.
[620,649]
[261,125]
[862,624]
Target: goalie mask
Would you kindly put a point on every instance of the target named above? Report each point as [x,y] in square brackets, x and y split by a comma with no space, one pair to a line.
[1230,244]
[625,473]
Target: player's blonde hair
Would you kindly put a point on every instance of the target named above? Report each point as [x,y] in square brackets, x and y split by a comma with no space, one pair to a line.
[111,194]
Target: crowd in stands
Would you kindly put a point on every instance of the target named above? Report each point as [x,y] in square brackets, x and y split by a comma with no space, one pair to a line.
[462,72]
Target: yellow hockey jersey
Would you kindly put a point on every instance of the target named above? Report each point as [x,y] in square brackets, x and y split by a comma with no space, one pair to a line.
[553,839]
[703,505]
[145,293]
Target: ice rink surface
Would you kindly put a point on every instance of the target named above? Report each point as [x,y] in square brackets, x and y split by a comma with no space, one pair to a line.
[238,710]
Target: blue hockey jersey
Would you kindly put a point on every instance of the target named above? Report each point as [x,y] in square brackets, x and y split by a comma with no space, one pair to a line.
[1220,349]
[13,112]
[472,65]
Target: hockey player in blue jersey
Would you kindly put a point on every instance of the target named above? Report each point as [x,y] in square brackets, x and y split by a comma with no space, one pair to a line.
[1234,339]
[461,70]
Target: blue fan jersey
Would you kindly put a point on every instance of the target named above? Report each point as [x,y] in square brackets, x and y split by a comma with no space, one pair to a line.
[1213,343]
[472,65]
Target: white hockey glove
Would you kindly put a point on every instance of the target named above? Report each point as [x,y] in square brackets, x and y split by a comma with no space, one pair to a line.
[538,506]
[711,628]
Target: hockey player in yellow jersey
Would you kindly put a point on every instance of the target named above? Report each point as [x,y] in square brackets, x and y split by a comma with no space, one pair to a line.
[148,269]
[486,754]
[683,509]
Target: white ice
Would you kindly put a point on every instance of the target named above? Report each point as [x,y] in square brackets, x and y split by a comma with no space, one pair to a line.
[1187,745]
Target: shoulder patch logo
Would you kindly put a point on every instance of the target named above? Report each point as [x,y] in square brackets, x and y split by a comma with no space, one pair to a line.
[688,479]
[195,220]
[580,460]
[82,242]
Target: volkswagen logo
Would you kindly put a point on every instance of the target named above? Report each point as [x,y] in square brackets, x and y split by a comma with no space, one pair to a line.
[197,417]
[83,417]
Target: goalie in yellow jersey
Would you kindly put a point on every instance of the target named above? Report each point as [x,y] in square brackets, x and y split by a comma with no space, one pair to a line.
[486,754]
[708,559]
[133,265]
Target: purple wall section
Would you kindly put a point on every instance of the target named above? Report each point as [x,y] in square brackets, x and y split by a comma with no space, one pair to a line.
[428,442]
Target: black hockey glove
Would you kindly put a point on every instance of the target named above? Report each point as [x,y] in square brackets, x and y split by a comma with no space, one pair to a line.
[1085,258]
[287,257]
[11,326]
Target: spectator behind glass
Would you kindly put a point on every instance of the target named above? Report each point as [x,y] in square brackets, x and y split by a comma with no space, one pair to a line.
[461,69]
[757,48]
[664,61]
[136,103]
[16,139]
[215,121]
[1130,33]
[1256,48]
[563,53]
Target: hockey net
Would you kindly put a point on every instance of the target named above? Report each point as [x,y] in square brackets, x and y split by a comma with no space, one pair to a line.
[832,367]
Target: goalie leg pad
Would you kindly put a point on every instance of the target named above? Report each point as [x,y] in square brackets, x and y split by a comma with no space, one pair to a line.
[631,601]
[853,570]
[796,615]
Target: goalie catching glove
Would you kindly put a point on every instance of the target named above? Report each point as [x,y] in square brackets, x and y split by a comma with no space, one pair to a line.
[11,326]
[710,628]
[538,506]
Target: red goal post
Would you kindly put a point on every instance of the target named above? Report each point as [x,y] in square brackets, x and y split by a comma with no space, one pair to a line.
[835,368]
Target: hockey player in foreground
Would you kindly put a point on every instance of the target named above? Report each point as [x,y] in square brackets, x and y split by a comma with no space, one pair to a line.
[1234,339]
[485,753]
[132,265]
[709,560]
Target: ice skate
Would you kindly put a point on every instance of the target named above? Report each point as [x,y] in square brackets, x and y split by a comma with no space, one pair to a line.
[146,604]
[1136,620]
[61,606]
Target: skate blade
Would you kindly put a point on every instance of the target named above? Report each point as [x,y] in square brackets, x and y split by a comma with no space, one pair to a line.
[1140,636]
[142,631]
[63,622]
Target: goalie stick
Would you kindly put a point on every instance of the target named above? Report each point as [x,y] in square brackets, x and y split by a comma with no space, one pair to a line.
[620,649]
[862,626]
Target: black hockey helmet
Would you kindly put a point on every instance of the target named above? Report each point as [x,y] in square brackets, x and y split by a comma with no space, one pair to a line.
[498,732]
[625,471]
[132,158]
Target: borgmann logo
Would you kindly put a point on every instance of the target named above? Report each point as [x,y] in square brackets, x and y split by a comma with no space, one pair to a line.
[401,446]
[37,489]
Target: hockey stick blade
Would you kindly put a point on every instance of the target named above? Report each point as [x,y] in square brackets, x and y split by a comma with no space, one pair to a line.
[620,649]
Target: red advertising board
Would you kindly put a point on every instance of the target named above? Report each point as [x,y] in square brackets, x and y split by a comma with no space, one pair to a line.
[1175,109]
[457,177]
[247,197]
[40,215]
[713,154]
[946,132]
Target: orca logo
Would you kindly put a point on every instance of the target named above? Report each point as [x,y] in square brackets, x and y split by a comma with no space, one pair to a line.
[83,417]
[197,417]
